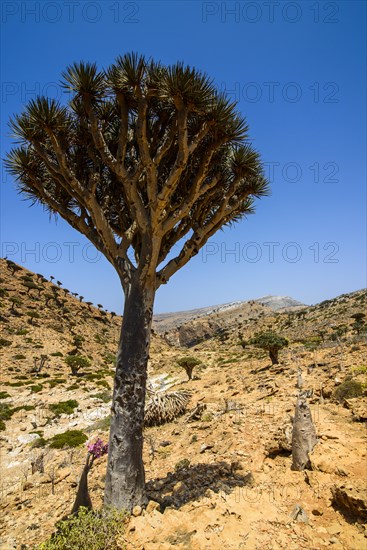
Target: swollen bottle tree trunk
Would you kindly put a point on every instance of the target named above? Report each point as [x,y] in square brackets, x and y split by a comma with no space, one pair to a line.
[125,480]
[303,436]
[82,496]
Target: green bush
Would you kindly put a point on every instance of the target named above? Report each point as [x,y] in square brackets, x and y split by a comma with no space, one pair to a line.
[24,408]
[56,354]
[99,339]
[100,425]
[348,389]
[6,411]
[64,407]
[4,342]
[362,369]
[109,358]
[103,383]
[104,396]
[70,438]
[94,376]
[35,388]
[4,394]
[19,357]
[37,443]
[312,343]
[88,529]
[22,332]
[55,381]
[73,387]
[182,464]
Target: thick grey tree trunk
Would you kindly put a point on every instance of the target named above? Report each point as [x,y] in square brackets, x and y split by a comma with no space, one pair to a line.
[125,479]
[303,436]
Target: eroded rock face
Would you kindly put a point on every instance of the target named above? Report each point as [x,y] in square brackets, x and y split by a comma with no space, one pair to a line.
[193,333]
[281,441]
[322,461]
[358,406]
[351,500]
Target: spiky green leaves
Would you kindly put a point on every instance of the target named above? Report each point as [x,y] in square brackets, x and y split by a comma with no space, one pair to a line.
[126,73]
[184,84]
[85,80]
[140,149]
[40,117]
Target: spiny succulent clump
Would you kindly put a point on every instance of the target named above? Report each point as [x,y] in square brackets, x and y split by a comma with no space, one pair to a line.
[165,406]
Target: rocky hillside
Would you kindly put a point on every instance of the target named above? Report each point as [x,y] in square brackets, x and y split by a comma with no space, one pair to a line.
[166,322]
[278,313]
[218,476]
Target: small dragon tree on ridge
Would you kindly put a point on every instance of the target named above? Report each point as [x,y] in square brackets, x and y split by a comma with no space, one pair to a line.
[144,157]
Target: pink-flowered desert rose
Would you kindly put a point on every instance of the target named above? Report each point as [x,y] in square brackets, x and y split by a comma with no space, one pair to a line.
[98,448]
[95,450]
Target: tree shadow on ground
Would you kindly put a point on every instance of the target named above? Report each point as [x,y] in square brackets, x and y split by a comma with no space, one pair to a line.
[192,482]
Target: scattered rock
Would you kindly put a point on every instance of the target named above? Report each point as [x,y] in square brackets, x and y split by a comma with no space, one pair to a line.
[179,487]
[137,511]
[320,462]
[152,506]
[298,514]
[25,439]
[358,406]
[205,446]
[334,529]
[196,412]
[249,480]
[282,440]
[351,500]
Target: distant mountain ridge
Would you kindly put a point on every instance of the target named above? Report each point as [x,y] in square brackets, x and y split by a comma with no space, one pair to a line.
[167,321]
[274,302]
[279,302]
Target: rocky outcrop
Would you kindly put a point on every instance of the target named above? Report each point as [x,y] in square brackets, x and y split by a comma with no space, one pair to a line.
[351,500]
[358,406]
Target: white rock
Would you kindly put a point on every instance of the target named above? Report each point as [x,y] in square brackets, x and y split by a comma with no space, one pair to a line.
[27,438]
[14,463]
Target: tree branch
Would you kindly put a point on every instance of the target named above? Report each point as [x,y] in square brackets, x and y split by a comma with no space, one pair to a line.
[147,161]
[195,242]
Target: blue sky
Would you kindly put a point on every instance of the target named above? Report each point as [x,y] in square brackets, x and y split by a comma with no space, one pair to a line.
[298,70]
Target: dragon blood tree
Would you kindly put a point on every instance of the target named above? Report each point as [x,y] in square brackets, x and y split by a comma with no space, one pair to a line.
[143,158]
